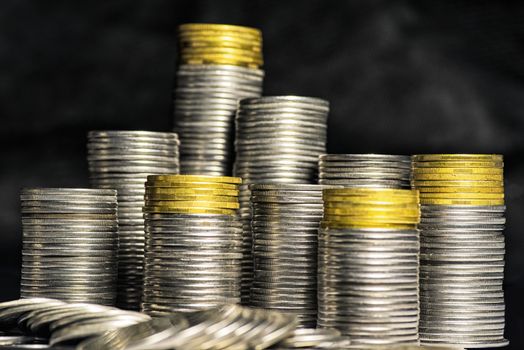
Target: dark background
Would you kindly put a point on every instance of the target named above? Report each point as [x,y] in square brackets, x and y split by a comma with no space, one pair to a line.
[403,77]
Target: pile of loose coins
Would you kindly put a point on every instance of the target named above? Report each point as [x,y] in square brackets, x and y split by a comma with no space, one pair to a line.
[56,323]
[122,160]
[285,228]
[368,265]
[69,244]
[193,243]
[462,248]
[365,170]
[219,65]
[278,141]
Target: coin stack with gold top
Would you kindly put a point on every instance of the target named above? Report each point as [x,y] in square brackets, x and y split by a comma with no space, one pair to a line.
[219,65]
[368,265]
[193,243]
[462,248]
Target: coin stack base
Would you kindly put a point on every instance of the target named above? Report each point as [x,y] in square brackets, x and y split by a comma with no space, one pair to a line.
[69,244]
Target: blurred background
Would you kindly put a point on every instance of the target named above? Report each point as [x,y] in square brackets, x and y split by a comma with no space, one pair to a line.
[403,77]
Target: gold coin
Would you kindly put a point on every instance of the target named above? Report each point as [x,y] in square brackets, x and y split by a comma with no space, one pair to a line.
[366,205]
[462,195]
[420,184]
[153,191]
[455,157]
[190,185]
[219,27]
[375,220]
[461,190]
[370,200]
[220,41]
[458,164]
[220,62]
[191,204]
[195,178]
[196,197]
[415,213]
[476,171]
[367,225]
[458,177]
[190,210]
[384,192]
[473,202]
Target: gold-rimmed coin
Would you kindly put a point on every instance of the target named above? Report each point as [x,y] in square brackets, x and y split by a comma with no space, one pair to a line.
[462,195]
[460,171]
[194,178]
[190,210]
[458,156]
[419,184]
[197,197]
[190,185]
[372,212]
[458,164]
[154,191]
[471,202]
[194,203]
[219,28]
[458,177]
[497,189]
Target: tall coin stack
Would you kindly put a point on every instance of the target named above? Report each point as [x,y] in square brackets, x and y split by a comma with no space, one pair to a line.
[219,65]
[462,248]
[193,243]
[368,265]
[365,170]
[69,244]
[278,141]
[122,160]
[285,229]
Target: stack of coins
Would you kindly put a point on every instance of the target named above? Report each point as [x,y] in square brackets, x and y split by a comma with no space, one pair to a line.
[122,160]
[312,339]
[278,140]
[69,244]
[219,65]
[285,229]
[462,249]
[193,243]
[365,170]
[368,265]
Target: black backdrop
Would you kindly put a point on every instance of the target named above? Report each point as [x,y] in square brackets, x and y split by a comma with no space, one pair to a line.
[402,76]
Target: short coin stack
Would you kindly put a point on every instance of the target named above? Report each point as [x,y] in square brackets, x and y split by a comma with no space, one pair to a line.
[122,160]
[462,248]
[278,140]
[219,65]
[69,244]
[193,243]
[365,170]
[368,265]
[285,229]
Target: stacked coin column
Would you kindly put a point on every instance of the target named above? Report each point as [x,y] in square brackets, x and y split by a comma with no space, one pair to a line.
[365,170]
[219,65]
[193,243]
[278,141]
[69,244]
[462,249]
[368,265]
[122,160]
[285,229]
